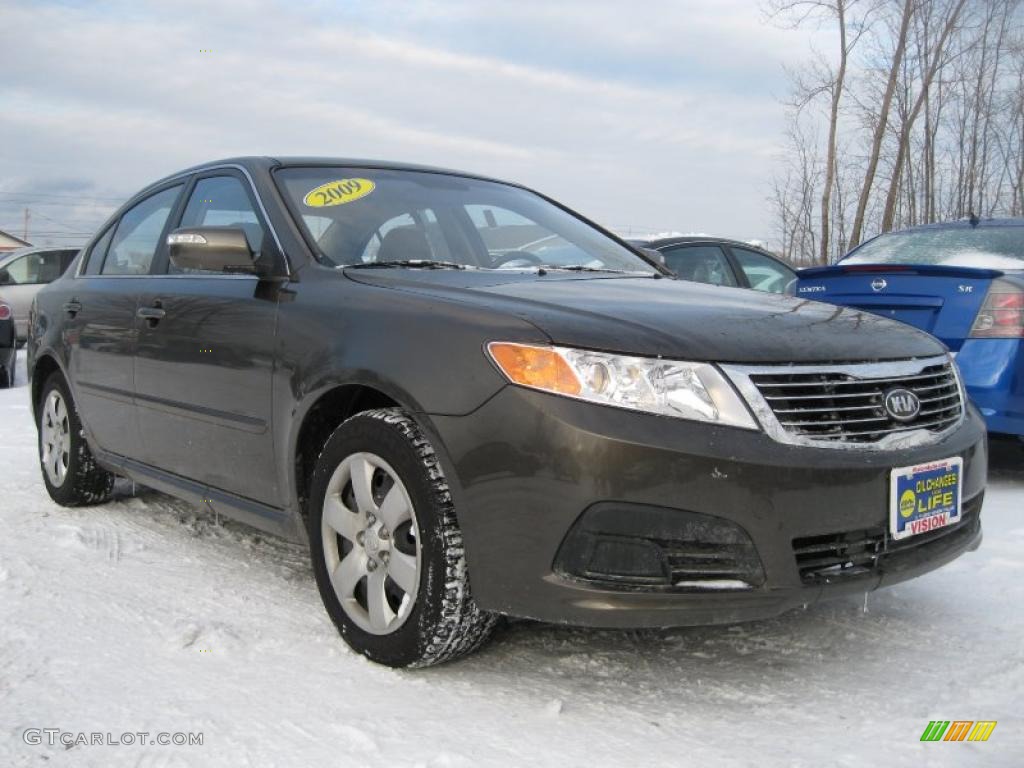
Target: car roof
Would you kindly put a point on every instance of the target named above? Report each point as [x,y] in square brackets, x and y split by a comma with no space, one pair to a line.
[8,255]
[266,163]
[662,242]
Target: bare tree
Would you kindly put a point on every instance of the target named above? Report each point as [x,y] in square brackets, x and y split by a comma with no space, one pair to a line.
[825,80]
[920,121]
[934,59]
[883,121]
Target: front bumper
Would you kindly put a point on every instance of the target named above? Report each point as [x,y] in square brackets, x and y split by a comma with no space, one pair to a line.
[525,466]
[992,370]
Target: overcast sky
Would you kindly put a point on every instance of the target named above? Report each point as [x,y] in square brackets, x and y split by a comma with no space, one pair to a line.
[650,115]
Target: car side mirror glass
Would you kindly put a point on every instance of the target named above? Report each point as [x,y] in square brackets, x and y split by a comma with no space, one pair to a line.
[212,249]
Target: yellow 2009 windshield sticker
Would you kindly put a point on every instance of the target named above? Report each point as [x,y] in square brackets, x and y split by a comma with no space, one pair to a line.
[338,192]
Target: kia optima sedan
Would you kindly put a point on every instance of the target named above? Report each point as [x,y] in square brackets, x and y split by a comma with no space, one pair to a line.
[471,401]
[962,281]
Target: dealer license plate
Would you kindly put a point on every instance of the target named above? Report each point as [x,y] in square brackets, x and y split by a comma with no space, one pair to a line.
[925,497]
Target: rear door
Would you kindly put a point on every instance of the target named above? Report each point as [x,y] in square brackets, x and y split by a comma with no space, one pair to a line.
[100,320]
[203,370]
[944,301]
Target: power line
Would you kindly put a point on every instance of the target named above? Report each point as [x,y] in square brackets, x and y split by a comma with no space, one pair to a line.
[48,196]
[33,233]
[52,221]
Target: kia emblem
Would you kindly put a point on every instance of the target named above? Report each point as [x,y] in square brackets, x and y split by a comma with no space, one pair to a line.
[878,284]
[902,404]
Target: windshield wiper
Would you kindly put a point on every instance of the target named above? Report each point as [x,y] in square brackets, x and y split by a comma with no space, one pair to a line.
[581,268]
[414,263]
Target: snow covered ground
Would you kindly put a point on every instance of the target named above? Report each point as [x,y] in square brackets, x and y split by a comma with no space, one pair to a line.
[146,615]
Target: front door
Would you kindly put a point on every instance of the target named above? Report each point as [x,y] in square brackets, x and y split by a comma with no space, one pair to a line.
[203,368]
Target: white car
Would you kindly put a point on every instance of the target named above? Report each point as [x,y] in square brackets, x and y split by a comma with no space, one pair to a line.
[23,272]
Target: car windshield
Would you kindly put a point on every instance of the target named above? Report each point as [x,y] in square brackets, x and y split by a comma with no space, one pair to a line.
[991,247]
[366,217]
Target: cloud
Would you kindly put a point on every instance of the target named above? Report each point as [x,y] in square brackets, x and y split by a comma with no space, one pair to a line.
[657,117]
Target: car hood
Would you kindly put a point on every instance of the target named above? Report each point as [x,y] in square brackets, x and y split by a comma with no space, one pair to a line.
[669,318]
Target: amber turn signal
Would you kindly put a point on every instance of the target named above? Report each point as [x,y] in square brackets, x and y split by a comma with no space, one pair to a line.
[537,367]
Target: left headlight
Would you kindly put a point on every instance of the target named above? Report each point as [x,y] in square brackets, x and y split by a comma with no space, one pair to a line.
[696,391]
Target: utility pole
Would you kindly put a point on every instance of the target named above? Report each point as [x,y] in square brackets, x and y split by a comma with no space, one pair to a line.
[24,229]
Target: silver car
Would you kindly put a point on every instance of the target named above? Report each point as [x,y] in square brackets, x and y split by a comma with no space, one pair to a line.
[23,272]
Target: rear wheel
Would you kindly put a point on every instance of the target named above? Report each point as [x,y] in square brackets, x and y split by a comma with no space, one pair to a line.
[70,473]
[386,547]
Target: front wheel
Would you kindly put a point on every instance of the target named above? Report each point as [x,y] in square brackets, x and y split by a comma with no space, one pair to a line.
[70,473]
[386,547]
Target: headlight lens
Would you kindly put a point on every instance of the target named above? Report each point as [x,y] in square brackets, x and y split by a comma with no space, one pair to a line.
[696,391]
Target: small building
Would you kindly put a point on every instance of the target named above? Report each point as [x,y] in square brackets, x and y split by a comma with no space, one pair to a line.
[9,242]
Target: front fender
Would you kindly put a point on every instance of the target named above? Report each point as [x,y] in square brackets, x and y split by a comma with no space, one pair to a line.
[426,354]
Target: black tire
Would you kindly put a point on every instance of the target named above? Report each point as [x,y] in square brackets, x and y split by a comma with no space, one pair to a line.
[444,622]
[85,481]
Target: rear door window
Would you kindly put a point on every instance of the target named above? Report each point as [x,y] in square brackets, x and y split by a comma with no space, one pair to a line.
[137,236]
[700,264]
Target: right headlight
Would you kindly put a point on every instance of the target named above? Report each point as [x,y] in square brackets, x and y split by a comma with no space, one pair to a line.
[695,391]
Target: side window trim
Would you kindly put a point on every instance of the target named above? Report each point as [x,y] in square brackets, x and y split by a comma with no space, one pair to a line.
[184,178]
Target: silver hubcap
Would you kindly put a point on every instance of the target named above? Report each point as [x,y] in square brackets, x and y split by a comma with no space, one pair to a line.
[371,543]
[55,434]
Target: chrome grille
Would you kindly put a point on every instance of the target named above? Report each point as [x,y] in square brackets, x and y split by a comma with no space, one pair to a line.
[846,404]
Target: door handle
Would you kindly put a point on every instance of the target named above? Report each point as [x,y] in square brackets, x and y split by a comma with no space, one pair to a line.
[72,307]
[151,315]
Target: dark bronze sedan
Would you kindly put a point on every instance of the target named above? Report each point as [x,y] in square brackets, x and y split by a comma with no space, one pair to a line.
[471,401]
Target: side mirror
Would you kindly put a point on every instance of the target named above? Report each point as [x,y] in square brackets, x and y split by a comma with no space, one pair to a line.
[5,277]
[212,249]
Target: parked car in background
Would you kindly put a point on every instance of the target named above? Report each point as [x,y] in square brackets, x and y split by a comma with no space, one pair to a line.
[23,272]
[471,401]
[8,346]
[720,261]
[961,281]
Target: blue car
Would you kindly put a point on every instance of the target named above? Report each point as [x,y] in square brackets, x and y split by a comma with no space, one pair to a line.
[961,281]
